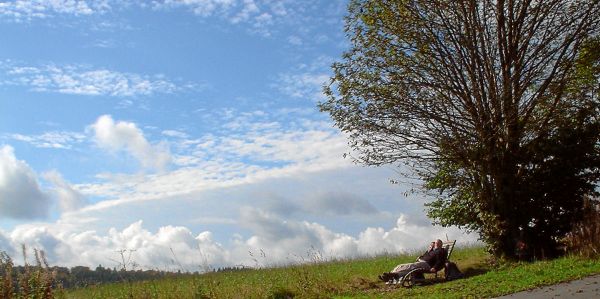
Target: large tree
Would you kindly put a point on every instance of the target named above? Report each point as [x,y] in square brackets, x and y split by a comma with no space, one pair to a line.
[493,104]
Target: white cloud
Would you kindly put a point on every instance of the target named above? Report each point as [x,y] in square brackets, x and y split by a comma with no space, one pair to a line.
[294,212]
[175,133]
[5,244]
[22,10]
[295,40]
[69,199]
[20,193]
[282,238]
[249,8]
[305,85]
[116,136]
[36,236]
[82,80]
[293,146]
[55,139]
[214,162]
[106,44]
[262,17]
[278,221]
[170,248]
[261,148]
[306,81]
[302,191]
[405,235]
[199,7]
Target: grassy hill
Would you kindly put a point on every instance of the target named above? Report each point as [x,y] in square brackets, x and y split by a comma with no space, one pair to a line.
[354,279]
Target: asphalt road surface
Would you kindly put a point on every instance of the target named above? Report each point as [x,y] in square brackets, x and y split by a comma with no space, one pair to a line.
[588,287]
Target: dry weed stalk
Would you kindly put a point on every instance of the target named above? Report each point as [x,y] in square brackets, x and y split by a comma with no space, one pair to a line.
[584,239]
[6,271]
[36,281]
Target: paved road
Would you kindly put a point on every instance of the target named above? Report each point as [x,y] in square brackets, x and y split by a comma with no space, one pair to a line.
[588,287]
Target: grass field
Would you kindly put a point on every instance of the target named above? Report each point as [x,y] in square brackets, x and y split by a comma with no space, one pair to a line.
[354,279]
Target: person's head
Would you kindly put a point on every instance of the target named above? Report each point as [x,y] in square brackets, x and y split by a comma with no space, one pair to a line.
[438,243]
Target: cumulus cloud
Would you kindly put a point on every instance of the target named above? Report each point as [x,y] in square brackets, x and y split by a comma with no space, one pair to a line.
[20,193]
[170,248]
[408,232]
[288,241]
[5,244]
[69,199]
[39,237]
[123,135]
[283,239]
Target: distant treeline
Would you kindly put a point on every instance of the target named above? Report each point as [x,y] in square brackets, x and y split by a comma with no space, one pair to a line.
[81,276]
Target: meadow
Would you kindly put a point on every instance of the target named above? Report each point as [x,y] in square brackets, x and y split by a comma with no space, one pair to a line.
[484,277]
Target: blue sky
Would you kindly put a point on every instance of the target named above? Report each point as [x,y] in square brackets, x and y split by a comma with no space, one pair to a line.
[185,126]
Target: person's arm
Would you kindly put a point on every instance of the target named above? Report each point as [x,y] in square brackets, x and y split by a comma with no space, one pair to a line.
[422,256]
[439,260]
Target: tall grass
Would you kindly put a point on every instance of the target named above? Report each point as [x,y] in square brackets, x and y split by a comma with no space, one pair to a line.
[584,239]
[313,277]
[355,279]
[27,282]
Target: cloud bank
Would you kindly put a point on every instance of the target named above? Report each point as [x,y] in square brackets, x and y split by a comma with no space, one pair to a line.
[274,241]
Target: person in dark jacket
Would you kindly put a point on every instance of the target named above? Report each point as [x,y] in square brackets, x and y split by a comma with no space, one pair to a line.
[432,261]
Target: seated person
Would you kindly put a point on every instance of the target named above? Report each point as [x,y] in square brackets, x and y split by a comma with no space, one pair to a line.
[431,261]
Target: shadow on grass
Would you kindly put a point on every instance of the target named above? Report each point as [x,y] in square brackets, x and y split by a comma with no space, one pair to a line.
[467,273]
[470,272]
[360,283]
[365,284]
